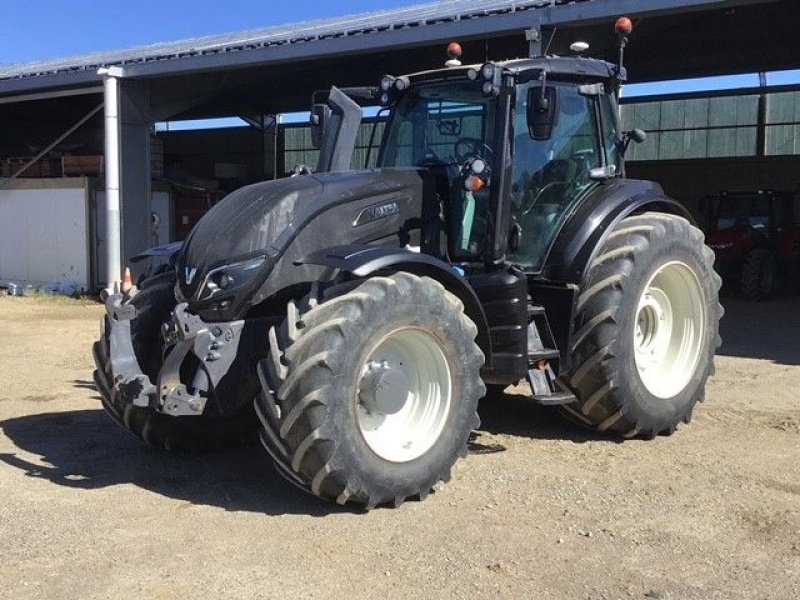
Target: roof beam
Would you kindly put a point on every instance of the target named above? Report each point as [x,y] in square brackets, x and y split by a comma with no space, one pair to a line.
[87,91]
[48,82]
[587,13]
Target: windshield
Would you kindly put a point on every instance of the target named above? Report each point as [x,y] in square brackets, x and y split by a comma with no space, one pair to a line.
[440,123]
[442,126]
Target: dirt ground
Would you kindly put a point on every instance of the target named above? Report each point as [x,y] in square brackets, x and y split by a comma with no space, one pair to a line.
[539,510]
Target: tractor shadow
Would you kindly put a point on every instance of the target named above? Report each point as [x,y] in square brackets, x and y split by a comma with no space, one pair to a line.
[86,450]
[763,330]
[512,413]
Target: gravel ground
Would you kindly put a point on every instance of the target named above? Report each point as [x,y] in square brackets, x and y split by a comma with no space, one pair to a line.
[540,509]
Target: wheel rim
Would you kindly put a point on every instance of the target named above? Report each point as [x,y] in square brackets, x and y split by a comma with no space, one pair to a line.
[669,330]
[404,395]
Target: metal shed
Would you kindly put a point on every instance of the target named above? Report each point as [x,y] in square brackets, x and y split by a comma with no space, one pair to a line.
[258,74]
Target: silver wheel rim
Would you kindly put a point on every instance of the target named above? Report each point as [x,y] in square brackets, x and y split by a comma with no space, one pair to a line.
[404,395]
[669,330]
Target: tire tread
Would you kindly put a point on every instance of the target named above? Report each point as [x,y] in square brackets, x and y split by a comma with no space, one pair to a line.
[593,376]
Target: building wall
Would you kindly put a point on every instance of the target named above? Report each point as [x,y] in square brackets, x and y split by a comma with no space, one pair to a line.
[757,122]
[689,181]
[44,232]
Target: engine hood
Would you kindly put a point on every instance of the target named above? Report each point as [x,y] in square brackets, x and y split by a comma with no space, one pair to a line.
[242,225]
[263,220]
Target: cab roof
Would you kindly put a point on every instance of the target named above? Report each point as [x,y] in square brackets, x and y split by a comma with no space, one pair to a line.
[558,66]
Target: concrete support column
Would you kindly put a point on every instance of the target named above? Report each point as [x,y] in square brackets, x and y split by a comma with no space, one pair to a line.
[127,166]
[112,159]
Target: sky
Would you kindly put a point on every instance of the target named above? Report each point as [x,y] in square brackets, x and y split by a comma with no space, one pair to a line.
[41,29]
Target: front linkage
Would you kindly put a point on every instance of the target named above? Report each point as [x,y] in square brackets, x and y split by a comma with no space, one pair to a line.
[120,376]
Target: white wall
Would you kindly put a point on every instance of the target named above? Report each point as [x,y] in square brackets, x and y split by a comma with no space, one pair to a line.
[43,232]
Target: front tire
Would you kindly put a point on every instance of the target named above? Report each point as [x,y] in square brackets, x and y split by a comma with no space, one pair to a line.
[370,395]
[646,328]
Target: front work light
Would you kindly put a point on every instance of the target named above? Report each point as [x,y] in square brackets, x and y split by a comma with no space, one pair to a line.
[230,277]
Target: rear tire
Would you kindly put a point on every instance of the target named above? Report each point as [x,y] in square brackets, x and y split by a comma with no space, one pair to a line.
[154,305]
[335,432]
[646,329]
[759,274]
[793,285]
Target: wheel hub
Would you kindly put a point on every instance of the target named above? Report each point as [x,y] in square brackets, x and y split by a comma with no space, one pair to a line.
[653,323]
[384,389]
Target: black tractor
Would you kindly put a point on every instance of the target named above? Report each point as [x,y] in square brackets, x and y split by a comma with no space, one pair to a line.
[364,313]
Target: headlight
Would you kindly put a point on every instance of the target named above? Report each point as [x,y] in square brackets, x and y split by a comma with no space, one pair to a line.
[491,79]
[230,277]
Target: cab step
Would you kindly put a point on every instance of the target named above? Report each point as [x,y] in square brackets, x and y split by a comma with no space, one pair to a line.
[555,399]
[534,356]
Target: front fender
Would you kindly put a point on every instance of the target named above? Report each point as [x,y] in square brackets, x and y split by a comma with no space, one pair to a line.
[363,261]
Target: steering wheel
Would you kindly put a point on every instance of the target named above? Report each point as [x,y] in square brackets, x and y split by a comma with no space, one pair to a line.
[466,147]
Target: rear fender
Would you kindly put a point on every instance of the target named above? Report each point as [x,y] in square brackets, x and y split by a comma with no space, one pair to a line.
[584,232]
[579,242]
[363,261]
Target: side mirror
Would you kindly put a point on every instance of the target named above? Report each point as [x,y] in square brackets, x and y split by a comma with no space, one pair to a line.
[637,135]
[634,135]
[320,114]
[542,111]
[449,127]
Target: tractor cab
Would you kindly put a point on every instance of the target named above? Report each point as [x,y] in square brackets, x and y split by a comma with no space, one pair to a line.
[513,146]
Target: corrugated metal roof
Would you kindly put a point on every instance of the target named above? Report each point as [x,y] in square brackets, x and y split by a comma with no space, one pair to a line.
[350,25]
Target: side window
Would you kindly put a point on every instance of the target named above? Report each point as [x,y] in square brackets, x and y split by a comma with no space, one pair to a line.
[550,176]
[608,114]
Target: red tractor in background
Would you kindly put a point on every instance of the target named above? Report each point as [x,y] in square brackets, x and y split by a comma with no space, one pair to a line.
[756,237]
